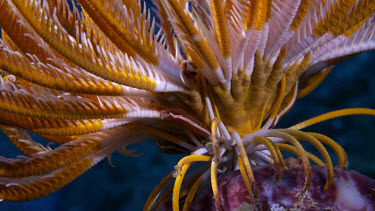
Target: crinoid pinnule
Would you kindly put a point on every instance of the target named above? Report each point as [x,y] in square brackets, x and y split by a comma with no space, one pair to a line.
[208,78]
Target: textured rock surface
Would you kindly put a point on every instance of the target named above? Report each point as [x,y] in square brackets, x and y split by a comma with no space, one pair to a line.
[350,191]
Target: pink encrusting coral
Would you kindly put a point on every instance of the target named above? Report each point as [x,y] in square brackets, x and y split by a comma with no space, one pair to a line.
[350,191]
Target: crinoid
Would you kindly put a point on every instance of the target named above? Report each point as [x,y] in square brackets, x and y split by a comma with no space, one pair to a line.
[209,78]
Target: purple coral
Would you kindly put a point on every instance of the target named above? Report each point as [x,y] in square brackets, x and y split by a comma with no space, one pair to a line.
[350,191]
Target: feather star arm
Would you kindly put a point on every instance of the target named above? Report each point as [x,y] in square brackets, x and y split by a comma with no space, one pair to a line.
[84,53]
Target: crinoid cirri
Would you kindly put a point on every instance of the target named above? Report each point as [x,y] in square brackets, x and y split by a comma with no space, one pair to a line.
[206,78]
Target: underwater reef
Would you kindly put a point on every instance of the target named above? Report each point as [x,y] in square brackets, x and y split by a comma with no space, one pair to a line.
[212,81]
[349,191]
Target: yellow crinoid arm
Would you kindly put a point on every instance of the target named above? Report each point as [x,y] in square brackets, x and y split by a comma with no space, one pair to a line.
[272,148]
[52,107]
[293,150]
[66,14]
[352,18]
[316,143]
[44,173]
[105,15]
[241,152]
[30,69]
[194,42]
[84,51]
[301,153]
[221,31]
[66,154]
[313,81]
[194,34]
[277,105]
[337,25]
[339,151]
[60,139]
[13,34]
[191,194]
[300,15]
[30,188]
[23,141]
[193,190]
[332,115]
[215,187]
[49,161]
[35,101]
[177,187]
[32,59]
[279,99]
[244,175]
[258,11]
[156,192]
[181,168]
[58,127]
[75,128]
[165,25]
[333,16]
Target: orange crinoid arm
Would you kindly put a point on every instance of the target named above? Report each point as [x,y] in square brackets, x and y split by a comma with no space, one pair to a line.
[207,78]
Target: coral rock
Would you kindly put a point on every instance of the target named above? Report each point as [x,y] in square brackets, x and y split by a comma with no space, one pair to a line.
[350,191]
